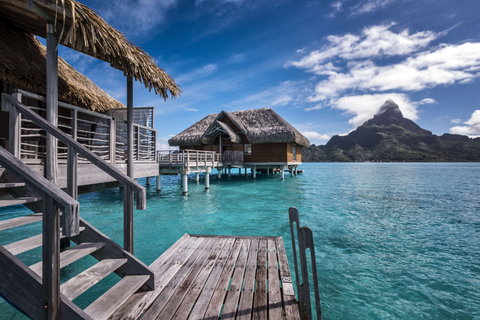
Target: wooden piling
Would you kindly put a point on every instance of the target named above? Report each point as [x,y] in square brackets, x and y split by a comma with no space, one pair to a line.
[184,184]
[207,178]
[159,182]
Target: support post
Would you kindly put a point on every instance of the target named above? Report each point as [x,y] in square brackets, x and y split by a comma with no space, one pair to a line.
[51,257]
[219,173]
[207,178]
[112,139]
[52,102]
[128,196]
[184,184]
[254,172]
[268,171]
[229,173]
[130,126]
[283,172]
[159,182]
[148,182]
[197,177]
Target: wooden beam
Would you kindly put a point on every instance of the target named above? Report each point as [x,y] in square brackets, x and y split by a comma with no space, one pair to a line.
[130,126]
[52,102]
[51,257]
[128,218]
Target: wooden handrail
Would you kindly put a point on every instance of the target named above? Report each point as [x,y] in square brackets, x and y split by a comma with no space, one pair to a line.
[83,151]
[37,182]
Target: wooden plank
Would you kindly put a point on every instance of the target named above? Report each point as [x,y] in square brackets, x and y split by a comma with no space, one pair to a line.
[233,295]
[71,255]
[204,261]
[141,301]
[289,301]
[216,303]
[112,250]
[27,244]
[260,299]
[203,281]
[275,310]
[12,185]
[104,306]
[169,290]
[20,221]
[245,308]
[88,278]
[20,200]
[205,297]
[23,288]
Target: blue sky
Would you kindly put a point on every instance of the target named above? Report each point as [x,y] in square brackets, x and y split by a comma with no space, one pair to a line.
[325,66]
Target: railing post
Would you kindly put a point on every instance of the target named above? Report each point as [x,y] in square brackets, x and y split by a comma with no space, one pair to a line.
[112,140]
[138,143]
[52,102]
[306,242]
[130,126]
[71,223]
[51,257]
[14,139]
[128,197]
[197,154]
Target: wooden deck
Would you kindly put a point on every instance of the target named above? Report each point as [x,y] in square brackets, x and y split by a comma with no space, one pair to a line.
[208,277]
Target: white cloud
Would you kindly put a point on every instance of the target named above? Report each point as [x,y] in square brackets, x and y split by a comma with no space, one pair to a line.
[192,109]
[316,137]
[456,121]
[471,126]
[136,16]
[315,107]
[370,6]
[281,100]
[448,65]
[427,101]
[337,7]
[374,41]
[198,73]
[364,107]
[283,94]
[162,144]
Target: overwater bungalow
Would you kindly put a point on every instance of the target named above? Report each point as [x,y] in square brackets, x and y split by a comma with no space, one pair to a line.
[255,139]
[61,132]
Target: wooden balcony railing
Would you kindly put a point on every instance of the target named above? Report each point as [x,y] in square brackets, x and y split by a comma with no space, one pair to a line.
[101,134]
[188,158]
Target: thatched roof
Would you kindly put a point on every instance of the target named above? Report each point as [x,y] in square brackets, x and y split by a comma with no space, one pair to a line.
[22,63]
[80,28]
[258,125]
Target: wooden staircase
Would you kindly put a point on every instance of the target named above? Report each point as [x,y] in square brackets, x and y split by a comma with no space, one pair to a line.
[111,257]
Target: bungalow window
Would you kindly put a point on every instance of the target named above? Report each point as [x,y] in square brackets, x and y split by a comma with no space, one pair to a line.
[294,151]
[248,149]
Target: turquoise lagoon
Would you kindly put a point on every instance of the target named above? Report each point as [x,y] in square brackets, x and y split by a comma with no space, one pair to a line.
[393,240]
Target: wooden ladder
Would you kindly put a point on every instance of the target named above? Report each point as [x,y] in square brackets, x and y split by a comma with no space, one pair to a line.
[21,285]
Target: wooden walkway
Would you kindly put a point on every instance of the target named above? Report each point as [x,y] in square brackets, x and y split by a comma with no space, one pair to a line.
[211,277]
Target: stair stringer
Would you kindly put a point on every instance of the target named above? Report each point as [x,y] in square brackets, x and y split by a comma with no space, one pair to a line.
[22,288]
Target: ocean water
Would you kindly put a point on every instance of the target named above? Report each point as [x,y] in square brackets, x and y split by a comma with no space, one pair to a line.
[393,240]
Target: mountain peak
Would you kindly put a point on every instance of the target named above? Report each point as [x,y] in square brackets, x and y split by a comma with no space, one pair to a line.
[389,107]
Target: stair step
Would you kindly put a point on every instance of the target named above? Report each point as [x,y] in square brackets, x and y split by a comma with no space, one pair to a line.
[88,278]
[27,244]
[105,306]
[12,185]
[20,221]
[21,200]
[71,255]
